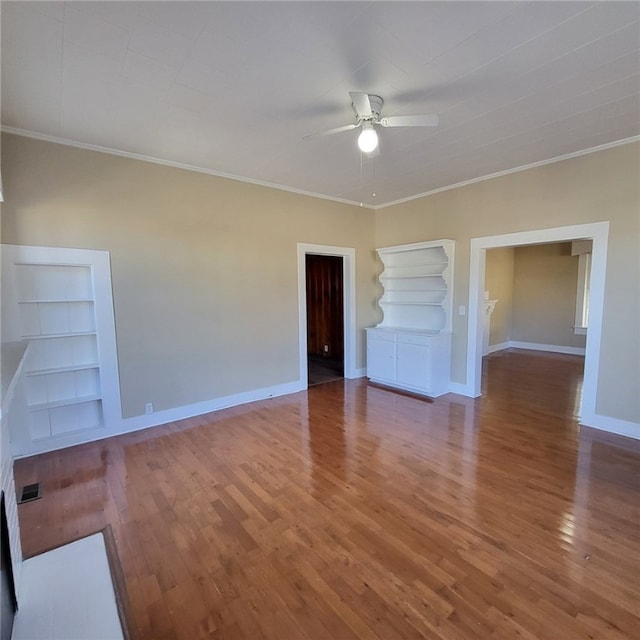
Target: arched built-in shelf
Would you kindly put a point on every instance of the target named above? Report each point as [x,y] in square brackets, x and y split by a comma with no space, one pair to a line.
[411,347]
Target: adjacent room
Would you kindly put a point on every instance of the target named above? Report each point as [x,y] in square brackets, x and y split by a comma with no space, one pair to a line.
[320,320]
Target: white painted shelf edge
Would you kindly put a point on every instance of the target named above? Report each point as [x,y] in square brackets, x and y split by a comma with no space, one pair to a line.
[411,304]
[68,369]
[410,330]
[55,301]
[64,403]
[413,276]
[45,336]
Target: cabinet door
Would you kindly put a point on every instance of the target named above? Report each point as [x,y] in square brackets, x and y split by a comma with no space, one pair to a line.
[413,366]
[380,359]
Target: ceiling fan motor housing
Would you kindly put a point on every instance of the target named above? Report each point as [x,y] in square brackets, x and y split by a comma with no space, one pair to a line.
[376,103]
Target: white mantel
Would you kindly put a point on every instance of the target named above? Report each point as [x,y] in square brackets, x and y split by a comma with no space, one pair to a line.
[489,306]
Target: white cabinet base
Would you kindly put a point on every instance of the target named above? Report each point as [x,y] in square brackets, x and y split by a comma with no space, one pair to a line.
[416,361]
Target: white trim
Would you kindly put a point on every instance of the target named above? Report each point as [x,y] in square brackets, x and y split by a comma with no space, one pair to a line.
[458,388]
[220,174]
[553,348]
[498,347]
[176,165]
[145,421]
[100,266]
[349,288]
[506,172]
[582,293]
[10,387]
[207,406]
[599,233]
[612,425]
[359,373]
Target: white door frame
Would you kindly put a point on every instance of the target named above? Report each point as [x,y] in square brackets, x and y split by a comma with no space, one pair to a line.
[598,232]
[348,256]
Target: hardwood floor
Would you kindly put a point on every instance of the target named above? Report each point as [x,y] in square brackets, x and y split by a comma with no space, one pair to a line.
[320,370]
[352,512]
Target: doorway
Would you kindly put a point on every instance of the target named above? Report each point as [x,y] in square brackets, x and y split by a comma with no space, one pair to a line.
[347,257]
[325,318]
[598,232]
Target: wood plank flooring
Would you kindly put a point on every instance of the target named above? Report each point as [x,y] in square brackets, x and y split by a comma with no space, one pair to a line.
[320,370]
[351,512]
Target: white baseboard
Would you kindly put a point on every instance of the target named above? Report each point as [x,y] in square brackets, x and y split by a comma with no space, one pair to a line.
[595,421]
[357,373]
[199,408]
[612,425]
[536,346]
[461,389]
[137,423]
[498,347]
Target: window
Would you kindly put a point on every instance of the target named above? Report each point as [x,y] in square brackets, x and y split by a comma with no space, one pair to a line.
[582,294]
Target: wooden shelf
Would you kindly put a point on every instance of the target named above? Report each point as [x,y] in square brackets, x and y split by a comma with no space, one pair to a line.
[418,304]
[412,276]
[421,290]
[64,403]
[54,301]
[69,368]
[411,347]
[408,300]
[47,336]
[58,300]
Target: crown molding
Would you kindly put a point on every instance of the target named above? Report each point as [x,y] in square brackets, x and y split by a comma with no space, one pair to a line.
[229,176]
[25,133]
[506,172]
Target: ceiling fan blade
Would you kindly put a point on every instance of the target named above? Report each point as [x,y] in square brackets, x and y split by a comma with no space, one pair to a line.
[410,121]
[347,127]
[361,104]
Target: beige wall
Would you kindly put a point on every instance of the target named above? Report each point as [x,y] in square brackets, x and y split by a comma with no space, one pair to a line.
[536,291]
[204,269]
[591,188]
[544,303]
[499,285]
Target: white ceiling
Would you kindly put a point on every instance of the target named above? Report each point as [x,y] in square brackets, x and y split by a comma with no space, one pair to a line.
[232,87]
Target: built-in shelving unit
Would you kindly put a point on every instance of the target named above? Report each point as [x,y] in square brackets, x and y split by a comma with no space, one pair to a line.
[57,315]
[59,302]
[411,347]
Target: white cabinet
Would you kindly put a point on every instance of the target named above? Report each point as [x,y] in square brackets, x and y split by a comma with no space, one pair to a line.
[56,300]
[381,355]
[411,347]
[410,360]
[413,364]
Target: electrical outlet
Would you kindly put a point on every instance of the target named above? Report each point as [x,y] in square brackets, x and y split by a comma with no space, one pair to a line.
[148,407]
[326,348]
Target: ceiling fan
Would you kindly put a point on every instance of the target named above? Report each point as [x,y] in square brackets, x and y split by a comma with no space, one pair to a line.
[368,108]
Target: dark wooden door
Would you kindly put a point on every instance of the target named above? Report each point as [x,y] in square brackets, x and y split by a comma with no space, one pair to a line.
[325,309]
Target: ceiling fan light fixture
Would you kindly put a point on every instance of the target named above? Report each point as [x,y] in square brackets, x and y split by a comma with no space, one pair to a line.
[368,138]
